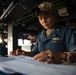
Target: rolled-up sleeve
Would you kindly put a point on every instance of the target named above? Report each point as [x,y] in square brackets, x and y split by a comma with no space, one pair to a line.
[70,40]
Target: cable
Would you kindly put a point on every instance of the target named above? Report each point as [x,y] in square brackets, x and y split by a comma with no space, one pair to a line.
[74,3]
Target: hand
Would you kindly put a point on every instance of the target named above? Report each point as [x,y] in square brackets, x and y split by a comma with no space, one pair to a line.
[43,56]
[17,52]
[55,57]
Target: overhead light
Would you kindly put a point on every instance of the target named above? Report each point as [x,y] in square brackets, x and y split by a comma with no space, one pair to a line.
[4,15]
[5,31]
[63,12]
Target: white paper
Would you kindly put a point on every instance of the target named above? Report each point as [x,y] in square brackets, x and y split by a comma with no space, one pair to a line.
[29,66]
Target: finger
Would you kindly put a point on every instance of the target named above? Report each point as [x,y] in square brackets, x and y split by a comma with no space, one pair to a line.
[39,55]
[49,61]
[36,56]
[23,53]
[17,52]
[11,53]
[43,58]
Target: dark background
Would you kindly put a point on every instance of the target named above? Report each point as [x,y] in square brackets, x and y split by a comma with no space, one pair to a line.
[21,14]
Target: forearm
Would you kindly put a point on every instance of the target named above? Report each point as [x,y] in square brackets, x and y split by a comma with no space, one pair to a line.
[21,52]
[31,54]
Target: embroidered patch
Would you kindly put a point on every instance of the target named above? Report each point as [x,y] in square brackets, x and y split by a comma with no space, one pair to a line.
[55,39]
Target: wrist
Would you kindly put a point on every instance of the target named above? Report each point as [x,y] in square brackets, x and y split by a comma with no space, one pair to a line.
[63,56]
[23,52]
[67,57]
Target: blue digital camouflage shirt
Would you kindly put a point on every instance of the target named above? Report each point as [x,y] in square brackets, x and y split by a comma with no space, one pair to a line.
[60,40]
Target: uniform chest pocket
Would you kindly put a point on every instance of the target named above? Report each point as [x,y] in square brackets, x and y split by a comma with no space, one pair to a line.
[56,45]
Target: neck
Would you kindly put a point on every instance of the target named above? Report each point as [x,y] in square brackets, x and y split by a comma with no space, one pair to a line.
[48,31]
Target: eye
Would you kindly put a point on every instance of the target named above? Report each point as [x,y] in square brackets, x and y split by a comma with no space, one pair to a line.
[47,16]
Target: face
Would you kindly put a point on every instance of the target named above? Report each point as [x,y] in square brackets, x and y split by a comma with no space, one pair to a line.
[47,21]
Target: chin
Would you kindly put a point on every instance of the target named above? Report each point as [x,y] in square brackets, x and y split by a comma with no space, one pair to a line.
[46,27]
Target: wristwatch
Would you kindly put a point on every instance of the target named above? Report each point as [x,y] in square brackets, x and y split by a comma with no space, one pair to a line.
[69,58]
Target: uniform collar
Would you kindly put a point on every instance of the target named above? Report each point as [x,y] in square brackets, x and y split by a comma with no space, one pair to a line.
[54,33]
